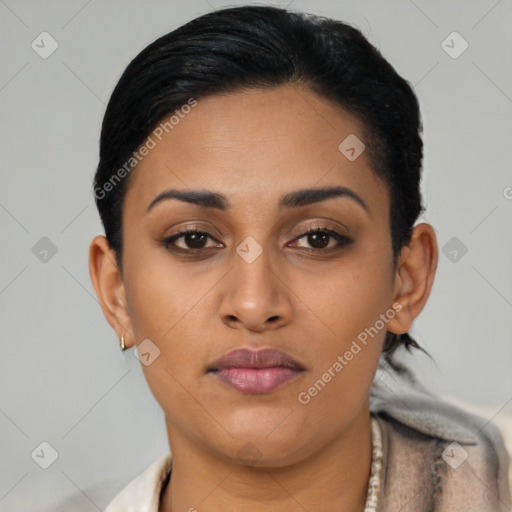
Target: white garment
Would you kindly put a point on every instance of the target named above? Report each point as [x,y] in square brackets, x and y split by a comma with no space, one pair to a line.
[142,494]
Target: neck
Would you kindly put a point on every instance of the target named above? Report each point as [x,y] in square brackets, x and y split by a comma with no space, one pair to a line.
[334,478]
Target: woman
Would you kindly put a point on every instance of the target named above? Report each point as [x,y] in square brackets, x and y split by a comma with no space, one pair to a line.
[259,181]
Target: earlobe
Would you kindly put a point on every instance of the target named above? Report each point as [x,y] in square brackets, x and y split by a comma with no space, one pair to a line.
[414,277]
[108,284]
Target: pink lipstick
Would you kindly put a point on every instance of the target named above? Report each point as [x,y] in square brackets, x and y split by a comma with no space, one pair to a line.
[255,371]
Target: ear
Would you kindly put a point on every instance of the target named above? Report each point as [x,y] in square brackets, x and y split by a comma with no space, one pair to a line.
[415,272]
[108,283]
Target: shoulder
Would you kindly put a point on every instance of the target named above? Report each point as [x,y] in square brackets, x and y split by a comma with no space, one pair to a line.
[142,494]
[439,456]
[139,495]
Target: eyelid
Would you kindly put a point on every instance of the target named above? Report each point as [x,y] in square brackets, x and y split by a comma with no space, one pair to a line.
[326,224]
[340,239]
[181,233]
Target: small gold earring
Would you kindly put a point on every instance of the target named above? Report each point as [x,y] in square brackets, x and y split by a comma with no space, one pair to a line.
[123,346]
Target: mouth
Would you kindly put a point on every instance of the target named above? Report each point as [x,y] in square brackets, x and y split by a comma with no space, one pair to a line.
[255,371]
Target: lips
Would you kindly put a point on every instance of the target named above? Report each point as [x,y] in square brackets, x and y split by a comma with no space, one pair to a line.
[262,358]
[255,371]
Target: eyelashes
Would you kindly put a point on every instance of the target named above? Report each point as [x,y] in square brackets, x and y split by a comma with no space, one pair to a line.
[169,243]
[194,236]
[341,240]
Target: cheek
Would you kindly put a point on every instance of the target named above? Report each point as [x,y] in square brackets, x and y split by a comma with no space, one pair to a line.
[163,308]
[152,301]
[347,353]
[167,305]
[351,297]
[160,293]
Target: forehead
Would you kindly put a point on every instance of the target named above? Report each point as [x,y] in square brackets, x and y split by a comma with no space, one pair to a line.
[255,146]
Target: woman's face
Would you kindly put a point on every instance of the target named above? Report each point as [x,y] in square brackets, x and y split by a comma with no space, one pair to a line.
[254,279]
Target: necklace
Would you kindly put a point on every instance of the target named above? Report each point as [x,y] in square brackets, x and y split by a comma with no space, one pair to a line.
[374,482]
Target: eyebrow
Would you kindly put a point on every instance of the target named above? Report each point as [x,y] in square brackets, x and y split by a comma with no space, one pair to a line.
[296,199]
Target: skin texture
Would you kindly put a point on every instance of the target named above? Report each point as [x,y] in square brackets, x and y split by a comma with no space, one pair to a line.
[254,147]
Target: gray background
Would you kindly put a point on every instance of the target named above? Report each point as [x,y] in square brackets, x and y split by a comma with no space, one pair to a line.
[63,378]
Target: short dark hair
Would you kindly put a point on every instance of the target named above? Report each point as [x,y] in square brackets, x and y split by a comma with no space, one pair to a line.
[257,47]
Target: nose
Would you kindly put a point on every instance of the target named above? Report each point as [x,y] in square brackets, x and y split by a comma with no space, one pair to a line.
[256,296]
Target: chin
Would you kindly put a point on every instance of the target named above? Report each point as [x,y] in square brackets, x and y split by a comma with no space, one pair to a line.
[264,446]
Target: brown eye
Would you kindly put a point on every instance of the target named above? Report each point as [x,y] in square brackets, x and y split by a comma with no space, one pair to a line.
[192,238]
[318,239]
